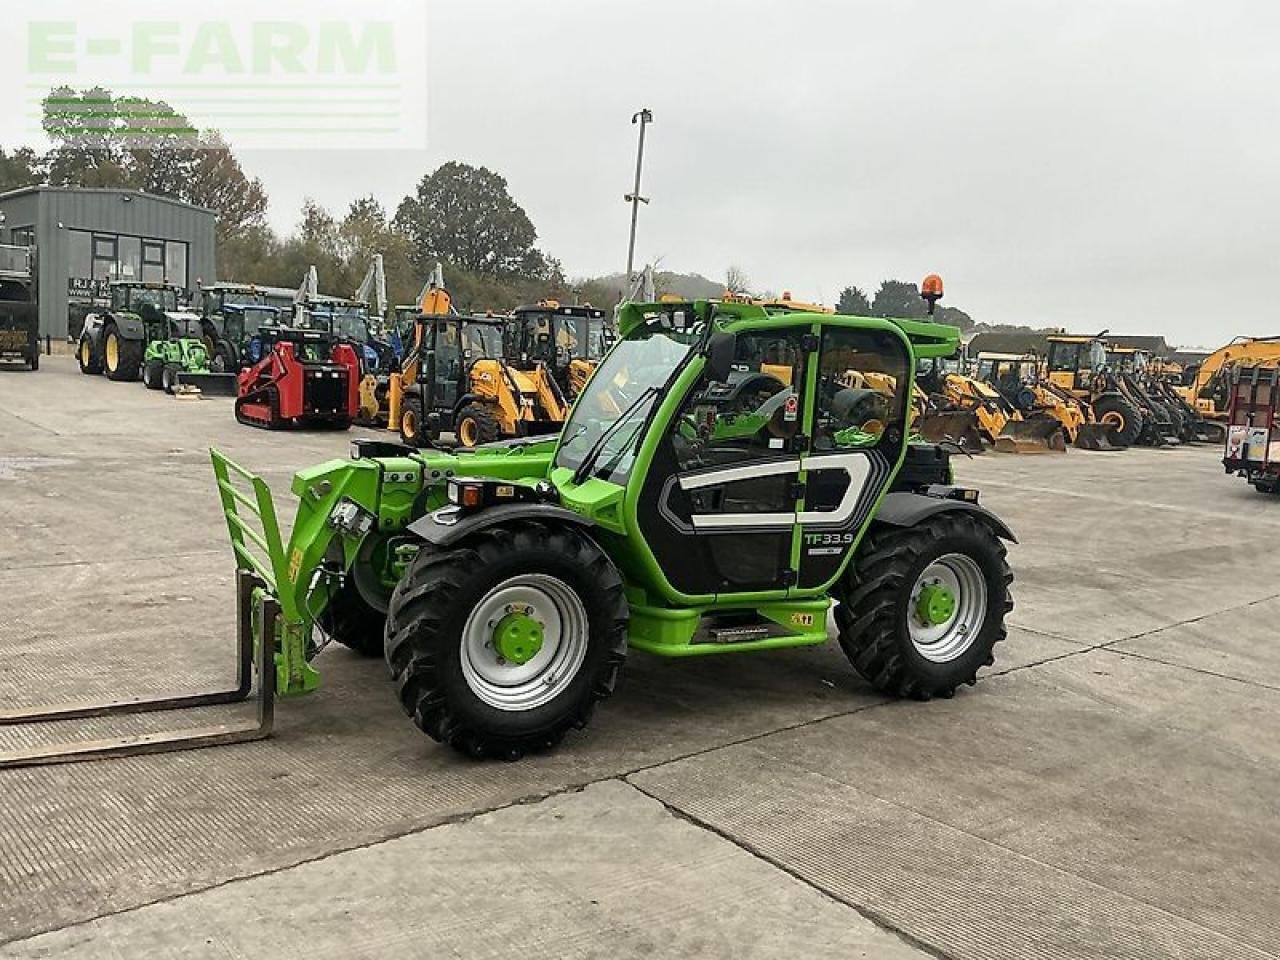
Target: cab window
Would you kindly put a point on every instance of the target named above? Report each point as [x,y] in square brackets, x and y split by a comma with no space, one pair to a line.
[863,383]
[755,413]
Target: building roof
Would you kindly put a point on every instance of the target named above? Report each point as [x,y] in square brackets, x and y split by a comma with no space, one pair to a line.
[1154,345]
[46,188]
[1008,341]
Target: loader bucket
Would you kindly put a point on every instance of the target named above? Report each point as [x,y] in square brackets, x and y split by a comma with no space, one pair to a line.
[1095,436]
[1210,431]
[210,384]
[1035,435]
[957,426]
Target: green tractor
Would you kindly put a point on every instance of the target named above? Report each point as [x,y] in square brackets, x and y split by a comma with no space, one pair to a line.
[718,488]
[121,340]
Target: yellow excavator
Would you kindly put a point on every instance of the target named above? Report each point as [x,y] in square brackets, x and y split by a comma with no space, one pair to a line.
[968,411]
[1207,387]
[456,378]
[1020,380]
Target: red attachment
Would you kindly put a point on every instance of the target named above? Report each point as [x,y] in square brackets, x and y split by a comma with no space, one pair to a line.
[285,390]
[1253,440]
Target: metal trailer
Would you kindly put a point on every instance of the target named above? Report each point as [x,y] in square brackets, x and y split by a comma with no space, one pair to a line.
[1253,440]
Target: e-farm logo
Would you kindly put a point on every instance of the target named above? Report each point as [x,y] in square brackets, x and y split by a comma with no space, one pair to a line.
[274,48]
[324,78]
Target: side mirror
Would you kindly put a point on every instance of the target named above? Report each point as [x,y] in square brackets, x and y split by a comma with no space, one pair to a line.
[722,349]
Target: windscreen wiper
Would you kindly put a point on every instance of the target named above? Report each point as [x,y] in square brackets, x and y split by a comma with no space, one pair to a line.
[593,454]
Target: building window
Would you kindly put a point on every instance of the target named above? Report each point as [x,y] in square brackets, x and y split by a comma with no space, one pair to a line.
[80,255]
[153,260]
[175,263]
[104,258]
[130,258]
[104,248]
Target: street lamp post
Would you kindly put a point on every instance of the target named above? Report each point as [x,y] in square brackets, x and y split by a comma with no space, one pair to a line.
[644,117]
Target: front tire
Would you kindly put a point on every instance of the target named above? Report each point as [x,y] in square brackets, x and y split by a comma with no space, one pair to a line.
[476,425]
[152,374]
[1122,417]
[352,622]
[90,362]
[413,427]
[922,608]
[169,377]
[501,644]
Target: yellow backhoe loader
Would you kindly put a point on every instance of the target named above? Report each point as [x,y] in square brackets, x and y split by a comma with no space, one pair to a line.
[969,411]
[1020,380]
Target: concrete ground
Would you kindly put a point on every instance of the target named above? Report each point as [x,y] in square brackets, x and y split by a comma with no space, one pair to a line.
[1108,789]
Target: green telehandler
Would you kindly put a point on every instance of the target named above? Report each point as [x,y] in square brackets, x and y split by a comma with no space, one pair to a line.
[718,488]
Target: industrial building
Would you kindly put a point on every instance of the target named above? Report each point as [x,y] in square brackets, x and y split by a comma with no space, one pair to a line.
[86,238]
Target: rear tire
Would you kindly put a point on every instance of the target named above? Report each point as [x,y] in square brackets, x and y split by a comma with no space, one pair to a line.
[90,362]
[1121,416]
[352,622]
[476,425]
[224,358]
[879,617]
[459,690]
[152,372]
[122,359]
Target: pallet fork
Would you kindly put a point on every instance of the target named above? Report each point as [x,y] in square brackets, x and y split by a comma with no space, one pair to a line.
[248,594]
[261,612]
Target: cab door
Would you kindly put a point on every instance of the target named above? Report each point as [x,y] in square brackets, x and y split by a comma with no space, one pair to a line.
[861,391]
[718,508]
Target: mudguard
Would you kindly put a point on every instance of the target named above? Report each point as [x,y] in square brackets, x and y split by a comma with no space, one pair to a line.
[448,525]
[129,328]
[906,509]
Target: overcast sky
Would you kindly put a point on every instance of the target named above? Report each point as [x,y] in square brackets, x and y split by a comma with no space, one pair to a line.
[1086,164]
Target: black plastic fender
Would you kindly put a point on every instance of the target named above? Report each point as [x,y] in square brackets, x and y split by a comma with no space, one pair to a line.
[449,524]
[129,328]
[906,509]
[462,401]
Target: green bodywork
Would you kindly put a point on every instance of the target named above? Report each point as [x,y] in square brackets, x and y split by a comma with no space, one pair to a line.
[352,517]
[186,352]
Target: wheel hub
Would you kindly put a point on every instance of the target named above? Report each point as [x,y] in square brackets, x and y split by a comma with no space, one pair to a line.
[518,636]
[524,642]
[947,607]
[936,604]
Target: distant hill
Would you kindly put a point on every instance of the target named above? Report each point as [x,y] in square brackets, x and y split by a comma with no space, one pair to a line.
[693,286]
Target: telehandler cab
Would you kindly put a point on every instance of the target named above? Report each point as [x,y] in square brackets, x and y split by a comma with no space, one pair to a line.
[716,489]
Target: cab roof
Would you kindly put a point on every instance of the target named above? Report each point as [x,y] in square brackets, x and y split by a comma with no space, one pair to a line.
[928,339]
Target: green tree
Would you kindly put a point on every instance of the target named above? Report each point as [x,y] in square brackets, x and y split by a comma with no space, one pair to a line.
[464,216]
[898,299]
[100,140]
[853,303]
[21,168]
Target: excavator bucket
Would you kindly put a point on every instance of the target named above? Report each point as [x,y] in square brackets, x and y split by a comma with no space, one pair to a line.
[1095,436]
[1037,434]
[957,426]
